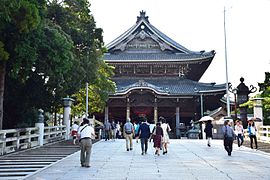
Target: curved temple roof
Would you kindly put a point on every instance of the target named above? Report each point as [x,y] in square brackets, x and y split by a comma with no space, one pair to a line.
[167,86]
[149,40]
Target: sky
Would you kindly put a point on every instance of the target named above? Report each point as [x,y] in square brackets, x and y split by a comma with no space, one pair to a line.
[199,25]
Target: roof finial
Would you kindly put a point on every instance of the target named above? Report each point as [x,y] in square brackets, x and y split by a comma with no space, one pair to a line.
[142,16]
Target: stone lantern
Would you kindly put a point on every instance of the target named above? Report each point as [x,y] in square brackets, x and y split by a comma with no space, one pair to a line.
[242,96]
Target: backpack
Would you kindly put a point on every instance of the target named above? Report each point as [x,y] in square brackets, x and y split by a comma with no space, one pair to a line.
[128,128]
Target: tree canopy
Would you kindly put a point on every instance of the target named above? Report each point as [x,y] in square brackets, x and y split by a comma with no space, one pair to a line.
[50,49]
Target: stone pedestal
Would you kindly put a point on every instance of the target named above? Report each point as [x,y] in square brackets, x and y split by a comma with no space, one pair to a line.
[67,110]
[258,109]
[40,125]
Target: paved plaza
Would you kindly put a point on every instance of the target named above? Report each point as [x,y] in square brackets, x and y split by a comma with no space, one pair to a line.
[186,159]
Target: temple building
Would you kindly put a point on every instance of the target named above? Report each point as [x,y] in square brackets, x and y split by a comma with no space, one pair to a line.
[155,76]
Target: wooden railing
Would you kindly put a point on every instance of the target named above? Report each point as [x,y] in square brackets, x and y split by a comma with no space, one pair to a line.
[12,140]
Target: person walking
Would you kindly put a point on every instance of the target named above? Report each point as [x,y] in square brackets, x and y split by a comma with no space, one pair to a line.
[144,134]
[228,137]
[137,131]
[118,130]
[208,131]
[128,131]
[113,130]
[252,133]
[74,131]
[166,128]
[158,137]
[86,134]
[107,128]
[239,131]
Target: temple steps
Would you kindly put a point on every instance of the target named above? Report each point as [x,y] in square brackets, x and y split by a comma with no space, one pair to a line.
[18,165]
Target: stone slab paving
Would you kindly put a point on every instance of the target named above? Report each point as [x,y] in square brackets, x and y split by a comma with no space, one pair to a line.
[186,159]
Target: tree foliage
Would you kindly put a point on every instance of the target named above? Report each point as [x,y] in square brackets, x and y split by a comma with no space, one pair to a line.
[98,92]
[265,88]
[265,94]
[52,49]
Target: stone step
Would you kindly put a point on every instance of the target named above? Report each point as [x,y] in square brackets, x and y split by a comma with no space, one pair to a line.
[14,174]
[26,160]
[31,158]
[22,163]
[14,166]
[12,170]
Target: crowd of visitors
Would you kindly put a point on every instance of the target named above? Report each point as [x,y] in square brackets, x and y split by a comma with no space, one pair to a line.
[159,133]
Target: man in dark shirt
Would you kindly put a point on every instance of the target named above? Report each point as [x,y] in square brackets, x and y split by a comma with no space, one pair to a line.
[144,134]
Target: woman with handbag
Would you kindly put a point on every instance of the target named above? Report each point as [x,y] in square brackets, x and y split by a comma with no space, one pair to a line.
[157,136]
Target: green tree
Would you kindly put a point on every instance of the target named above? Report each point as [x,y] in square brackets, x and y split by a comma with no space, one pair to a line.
[17,19]
[46,79]
[98,92]
[265,88]
[265,94]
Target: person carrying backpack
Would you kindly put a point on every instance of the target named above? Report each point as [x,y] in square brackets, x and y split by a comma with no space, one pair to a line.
[128,134]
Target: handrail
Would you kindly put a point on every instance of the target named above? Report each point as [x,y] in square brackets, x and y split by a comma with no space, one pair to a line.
[12,140]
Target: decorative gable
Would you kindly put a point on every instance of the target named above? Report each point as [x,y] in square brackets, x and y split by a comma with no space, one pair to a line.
[144,37]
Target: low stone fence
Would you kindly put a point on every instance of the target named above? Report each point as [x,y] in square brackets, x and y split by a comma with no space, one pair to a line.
[263,134]
[12,140]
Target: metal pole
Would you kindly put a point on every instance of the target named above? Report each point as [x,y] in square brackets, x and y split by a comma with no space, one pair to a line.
[235,106]
[86,108]
[226,64]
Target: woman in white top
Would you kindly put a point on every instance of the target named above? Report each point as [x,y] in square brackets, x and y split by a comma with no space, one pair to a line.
[74,130]
[239,131]
[166,128]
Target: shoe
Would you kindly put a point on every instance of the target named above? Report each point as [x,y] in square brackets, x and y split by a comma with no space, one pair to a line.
[156,152]
[142,153]
[131,149]
[145,152]
[127,149]
[87,166]
[164,152]
[208,145]
[229,153]
[82,165]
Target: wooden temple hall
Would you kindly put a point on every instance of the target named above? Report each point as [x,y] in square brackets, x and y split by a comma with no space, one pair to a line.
[155,76]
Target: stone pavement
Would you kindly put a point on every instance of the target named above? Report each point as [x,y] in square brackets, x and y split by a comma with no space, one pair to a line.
[186,159]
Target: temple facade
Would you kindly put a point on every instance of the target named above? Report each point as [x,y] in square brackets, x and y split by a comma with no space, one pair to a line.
[155,76]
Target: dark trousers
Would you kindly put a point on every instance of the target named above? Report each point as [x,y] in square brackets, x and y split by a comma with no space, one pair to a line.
[228,144]
[144,144]
[240,140]
[251,141]
[107,135]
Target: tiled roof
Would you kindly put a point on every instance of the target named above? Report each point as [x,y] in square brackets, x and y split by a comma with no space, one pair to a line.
[156,56]
[166,85]
[176,51]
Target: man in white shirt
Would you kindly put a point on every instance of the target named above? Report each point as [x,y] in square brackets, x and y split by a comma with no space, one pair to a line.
[86,133]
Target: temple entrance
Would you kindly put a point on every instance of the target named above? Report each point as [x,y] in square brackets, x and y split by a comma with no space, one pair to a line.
[138,112]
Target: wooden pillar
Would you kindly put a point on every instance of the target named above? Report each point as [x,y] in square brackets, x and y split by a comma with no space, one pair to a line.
[155,111]
[201,100]
[128,109]
[106,116]
[177,123]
